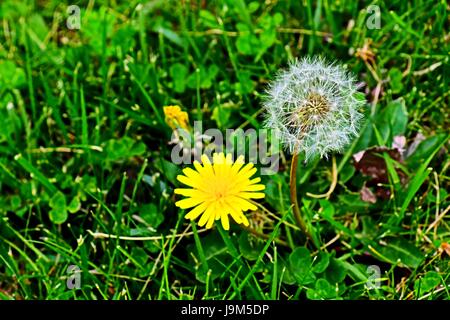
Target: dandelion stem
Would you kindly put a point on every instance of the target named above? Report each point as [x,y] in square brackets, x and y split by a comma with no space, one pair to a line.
[293,188]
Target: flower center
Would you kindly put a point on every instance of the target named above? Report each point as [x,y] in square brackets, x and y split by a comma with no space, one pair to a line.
[314,109]
[219,195]
[220,191]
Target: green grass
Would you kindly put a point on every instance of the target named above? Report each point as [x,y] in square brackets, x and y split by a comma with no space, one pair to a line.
[86,177]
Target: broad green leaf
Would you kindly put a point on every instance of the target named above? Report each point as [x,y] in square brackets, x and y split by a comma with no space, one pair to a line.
[253,6]
[428,282]
[152,215]
[402,251]
[179,72]
[58,201]
[208,19]
[284,273]
[124,148]
[11,76]
[327,207]
[221,115]
[169,169]
[321,262]
[216,254]
[245,84]
[398,117]
[300,264]
[204,77]
[420,176]
[396,77]
[322,290]
[336,271]
[424,150]
[74,205]
[58,216]
[392,121]
[171,35]
[37,26]
[250,247]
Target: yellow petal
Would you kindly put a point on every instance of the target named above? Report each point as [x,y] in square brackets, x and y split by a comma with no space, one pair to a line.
[246,169]
[188,203]
[251,195]
[247,174]
[225,221]
[194,176]
[190,173]
[194,179]
[244,220]
[237,164]
[197,211]
[255,187]
[210,221]
[205,160]
[192,193]
[218,158]
[206,215]
[198,167]
[185,180]
[229,159]
[242,204]
[219,211]
[208,169]
[239,217]
[256,180]
[239,186]
[233,212]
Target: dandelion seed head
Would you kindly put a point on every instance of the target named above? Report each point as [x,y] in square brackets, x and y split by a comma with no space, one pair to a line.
[312,107]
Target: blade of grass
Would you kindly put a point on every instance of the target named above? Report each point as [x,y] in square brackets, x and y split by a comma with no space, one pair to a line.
[147,96]
[119,206]
[199,247]
[260,257]
[420,176]
[37,175]
[84,122]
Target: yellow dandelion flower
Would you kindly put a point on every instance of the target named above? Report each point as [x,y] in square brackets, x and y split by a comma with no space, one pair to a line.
[176,118]
[219,189]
